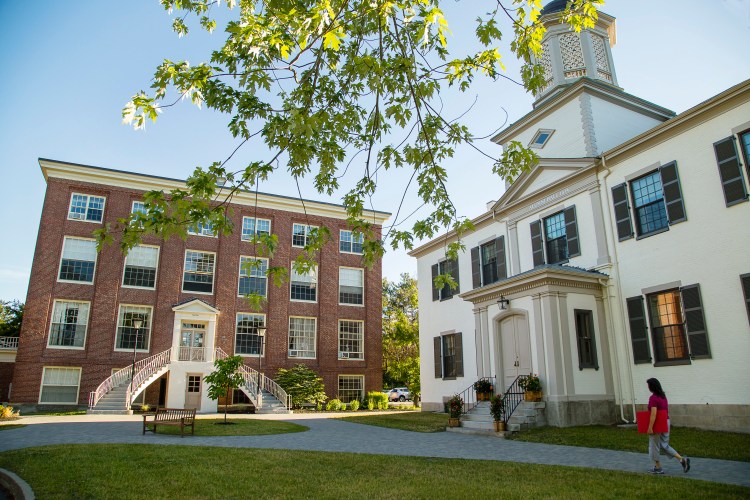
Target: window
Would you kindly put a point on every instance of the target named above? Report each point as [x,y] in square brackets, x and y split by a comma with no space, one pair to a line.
[554,239]
[202,229]
[68,325]
[351,388]
[488,254]
[60,385]
[446,292]
[199,272]
[86,207]
[351,339]
[488,262]
[745,281]
[304,286]
[78,260]
[252,227]
[585,337]
[540,138]
[139,207]
[246,339]
[351,286]
[449,361]
[730,169]
[302,337]
[350,243]
[656,200]
[129,337]
[140,267]
[301,234]
[667,331]
[253,278]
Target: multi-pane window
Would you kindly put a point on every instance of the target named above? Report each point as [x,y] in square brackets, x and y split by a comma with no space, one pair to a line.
[488,255]
[648,199]
[667,326]
[140,267]
[351,339]
[585,336]
[448,350]
[302,337]
[555,240]
[78,260]
[301,234]
[253,278]
[202,229]
[351,388]
[351,286]
[351,243]
[86,207]
[128,336]
[304,286]
[139,207]
[68,325]
[199,272]
[449,267]
[246,340]
[252,227]
[60,385]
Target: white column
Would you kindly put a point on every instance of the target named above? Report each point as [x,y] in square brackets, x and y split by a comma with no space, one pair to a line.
[515,259]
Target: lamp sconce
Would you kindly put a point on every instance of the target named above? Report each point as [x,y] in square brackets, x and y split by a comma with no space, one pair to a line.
[503,303]
[137,323]
[262,331]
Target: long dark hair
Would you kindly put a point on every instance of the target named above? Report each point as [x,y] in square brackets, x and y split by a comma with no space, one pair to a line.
[655,387]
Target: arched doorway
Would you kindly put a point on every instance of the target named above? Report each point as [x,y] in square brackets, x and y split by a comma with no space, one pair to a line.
[515,347]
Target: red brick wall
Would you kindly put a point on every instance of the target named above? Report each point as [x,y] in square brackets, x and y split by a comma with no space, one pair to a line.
[105,295]
[6,376]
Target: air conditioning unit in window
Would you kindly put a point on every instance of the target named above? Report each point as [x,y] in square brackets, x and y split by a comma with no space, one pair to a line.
[293,354]
[76,215]
[344,355]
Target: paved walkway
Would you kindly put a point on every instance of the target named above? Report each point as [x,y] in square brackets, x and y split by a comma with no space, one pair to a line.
[331,434]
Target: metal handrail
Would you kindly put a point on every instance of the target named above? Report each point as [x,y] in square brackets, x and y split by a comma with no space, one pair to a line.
[469,395]
[257,382]
[9,343]
[513,397]
[123,375]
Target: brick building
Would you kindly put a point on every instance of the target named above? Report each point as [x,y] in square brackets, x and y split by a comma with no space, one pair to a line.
[81,328]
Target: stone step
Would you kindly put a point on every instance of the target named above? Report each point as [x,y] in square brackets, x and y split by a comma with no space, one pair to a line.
[97,411]
[476,418]
[481,432]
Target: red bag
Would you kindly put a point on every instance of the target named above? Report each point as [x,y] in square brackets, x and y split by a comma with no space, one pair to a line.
[642,418]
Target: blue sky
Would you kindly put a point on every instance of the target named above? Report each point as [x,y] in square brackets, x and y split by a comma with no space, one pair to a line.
[69,67]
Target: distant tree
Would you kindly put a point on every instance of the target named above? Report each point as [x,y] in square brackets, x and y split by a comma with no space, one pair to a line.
[222,381]
[302,384]
[401,333]
[11,316]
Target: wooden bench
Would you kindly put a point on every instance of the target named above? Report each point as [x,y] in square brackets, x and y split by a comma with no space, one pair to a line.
[170,416]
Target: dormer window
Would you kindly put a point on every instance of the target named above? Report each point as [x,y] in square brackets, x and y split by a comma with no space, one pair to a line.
[541,138]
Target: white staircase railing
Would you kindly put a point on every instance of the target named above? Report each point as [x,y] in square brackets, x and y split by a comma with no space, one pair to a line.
[144,368]
[9,343]
[256,383]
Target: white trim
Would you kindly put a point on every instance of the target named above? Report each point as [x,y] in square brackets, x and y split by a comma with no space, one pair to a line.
[307,232]
[213,272]
[150,327]
[351,375]
[239,274]
[533,143]
[52,321]
[85,213]
[203,224]
[661,288]
[741,128]
[338,339]
[62,251]
[552,211]
[156,269]
[255,226]
[363,286]
[341,231]
[263,345]
[315,338]
[314,279]
[78,387]
[644,171]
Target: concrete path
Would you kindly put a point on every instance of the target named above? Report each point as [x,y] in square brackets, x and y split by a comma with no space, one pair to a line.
[332,434]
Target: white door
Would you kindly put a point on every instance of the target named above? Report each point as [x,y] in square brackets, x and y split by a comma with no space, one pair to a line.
[191,342]
[193,392]
[516,346]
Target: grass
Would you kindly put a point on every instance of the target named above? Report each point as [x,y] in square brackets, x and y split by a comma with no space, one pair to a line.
[54,413]
[238,427]
[407,421]
[5,427]
[687,441]
[153,471]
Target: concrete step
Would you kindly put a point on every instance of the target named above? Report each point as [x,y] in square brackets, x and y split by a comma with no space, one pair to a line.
[481,432]
[108,412]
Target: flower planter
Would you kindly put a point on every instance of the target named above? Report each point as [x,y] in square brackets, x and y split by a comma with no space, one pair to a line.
[454,422]
[532,395]
[483,396]
[499,426]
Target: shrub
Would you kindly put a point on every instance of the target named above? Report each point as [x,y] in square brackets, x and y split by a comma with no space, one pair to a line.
[497,407]
[145,408]
[342,406]
[377,399]
[483,386]
[531,383]
[7,412]
[455,406]
[370,404]
[333,405]
[319,406]
[354,405]
[302,384]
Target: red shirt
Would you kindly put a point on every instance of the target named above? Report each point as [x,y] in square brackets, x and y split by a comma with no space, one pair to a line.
[659,403]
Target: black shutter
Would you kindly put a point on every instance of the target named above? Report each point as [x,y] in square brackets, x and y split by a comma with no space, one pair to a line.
[502,267]
[670,184]
[638,330]
[459,346]
[435,291]
[476,275]
[537,244]
[622,212]
[438,357]
[453,266]
[571,232]
[730,171]
[695,322]
[745,280]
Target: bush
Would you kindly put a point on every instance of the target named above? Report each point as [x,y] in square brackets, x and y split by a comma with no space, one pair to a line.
[7,412]
[333,405]
[302,384]
[342,406]
[377,399]
[145,408]
[497,407]
[455,406]
[370,404]
[354,405]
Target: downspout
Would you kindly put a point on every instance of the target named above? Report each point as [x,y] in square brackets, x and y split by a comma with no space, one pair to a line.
[616,265]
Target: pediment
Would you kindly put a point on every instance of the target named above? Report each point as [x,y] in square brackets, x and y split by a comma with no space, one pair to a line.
[195,306]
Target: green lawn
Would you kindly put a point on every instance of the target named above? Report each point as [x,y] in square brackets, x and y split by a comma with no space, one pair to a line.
[152,471]
[237,427]
[408,421]
[687,441]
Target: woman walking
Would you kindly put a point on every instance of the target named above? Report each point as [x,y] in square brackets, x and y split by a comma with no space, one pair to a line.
[660,441]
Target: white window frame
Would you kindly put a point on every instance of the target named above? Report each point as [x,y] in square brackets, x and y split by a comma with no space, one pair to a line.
[62,253]
[255,220]
[241,275]
[213,272]
[362,271]
[205,229]
[263,343]
[534,144]
[361,341]
[52,323]
[313,280]
[78,387]
[344,375]
[315,338]
[156,269]
[143,327]
[88,206]
[351,241]
[307,233]
[133,209]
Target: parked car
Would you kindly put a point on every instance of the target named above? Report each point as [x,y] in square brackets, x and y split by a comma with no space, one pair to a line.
[399,394]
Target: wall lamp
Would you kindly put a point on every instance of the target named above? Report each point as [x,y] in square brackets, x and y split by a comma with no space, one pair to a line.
[503,303]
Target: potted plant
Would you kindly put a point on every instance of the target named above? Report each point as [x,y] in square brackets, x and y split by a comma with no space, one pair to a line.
[497,409]
[532,387]
[455,408]
[483,388]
